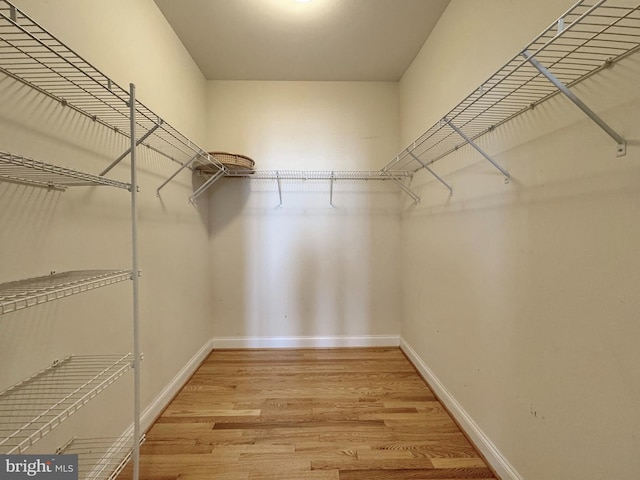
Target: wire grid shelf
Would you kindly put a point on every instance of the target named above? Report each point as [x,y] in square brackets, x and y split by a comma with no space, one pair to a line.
[31,409]
[15,168]
[589,37]
[33,56]
[34,291]
[320,175]
[100,458]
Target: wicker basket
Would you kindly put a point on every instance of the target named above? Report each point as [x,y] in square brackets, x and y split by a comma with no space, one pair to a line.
[233,161]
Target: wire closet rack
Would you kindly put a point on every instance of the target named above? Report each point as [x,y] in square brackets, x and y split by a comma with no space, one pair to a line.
[15,168]
[33,56]
[34,291]
[100,458]
[32,408]
[400,178]
[588,38]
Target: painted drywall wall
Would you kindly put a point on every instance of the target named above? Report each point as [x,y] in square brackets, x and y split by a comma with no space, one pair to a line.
[89,228]
[522,299]
[304,268]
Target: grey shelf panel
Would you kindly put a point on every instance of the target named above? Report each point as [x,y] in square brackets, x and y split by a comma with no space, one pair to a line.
[15,168]
[35,291]
[591,36]
[34,407]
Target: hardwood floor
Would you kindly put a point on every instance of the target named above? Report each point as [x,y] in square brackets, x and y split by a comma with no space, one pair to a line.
[339,414]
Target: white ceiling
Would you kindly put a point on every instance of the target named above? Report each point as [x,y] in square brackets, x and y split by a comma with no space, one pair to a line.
[369,40]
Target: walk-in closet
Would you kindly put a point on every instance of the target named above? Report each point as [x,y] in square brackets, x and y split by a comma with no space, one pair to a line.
[320,239]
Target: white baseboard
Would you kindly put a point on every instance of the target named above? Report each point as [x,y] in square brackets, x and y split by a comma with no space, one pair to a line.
[155,408]
[498,462]
[307,342]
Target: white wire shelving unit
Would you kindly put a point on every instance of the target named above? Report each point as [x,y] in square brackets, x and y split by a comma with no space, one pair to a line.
[100,458]
[589,37]
[16,168]
[35,291]
[35,57]
[32,408]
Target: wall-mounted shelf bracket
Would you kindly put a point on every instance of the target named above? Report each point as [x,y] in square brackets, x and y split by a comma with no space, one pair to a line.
[185,165]
[478,148]
[128,151]
[219,174]
[622,145]
[403,187]
[333,178]
[426,167]
[279,187]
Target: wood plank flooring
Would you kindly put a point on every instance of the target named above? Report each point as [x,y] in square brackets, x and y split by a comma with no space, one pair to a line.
[337,414]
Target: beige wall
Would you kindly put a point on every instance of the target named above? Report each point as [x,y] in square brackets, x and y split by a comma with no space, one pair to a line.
[88,228]
[305,269]
[522,299]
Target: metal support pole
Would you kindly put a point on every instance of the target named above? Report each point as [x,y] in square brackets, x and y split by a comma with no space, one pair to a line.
[135,269]
[477,147]
[426,167]
[206,185]
[279,187]
[142,139]
[331,189]
[186,165]
[622,145]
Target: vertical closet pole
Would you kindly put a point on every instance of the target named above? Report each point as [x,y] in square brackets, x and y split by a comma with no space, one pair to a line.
[135,269]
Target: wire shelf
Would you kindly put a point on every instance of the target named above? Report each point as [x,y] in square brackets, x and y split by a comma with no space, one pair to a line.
[33,56]
[320,175]
[34,291]
[31,409]
[15,168]
[100,458]
[588,38]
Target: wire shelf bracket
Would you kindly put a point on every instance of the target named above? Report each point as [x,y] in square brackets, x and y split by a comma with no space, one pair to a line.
[34,407]
[21,294]
[622,144]
[199,191]
[182,167]
[477,148]
[437,177]
[128,151]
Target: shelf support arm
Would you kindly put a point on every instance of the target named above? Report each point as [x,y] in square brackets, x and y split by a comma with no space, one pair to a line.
[128,151]
[205,185]
[622,145]
[279,187]
[333,177]
[185,165]
[477,147]
[403,187]
[426,167]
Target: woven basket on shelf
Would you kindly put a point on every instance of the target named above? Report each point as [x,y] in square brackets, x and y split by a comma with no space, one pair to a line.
[233,161]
